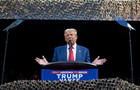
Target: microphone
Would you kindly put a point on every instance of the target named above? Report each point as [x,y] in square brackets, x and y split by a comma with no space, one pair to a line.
[70,43]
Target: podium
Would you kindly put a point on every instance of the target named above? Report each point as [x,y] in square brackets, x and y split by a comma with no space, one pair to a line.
[69,71]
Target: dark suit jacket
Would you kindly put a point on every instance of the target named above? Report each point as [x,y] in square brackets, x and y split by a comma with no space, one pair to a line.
[82,54]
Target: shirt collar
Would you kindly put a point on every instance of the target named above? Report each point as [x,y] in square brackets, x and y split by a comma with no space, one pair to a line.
[74,46]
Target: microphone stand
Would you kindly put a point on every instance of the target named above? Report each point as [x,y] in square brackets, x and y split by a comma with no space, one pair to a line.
[70,44]
[69,53]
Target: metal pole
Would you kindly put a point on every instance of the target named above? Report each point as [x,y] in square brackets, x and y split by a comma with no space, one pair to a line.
[14,24]
[131,59]
[5,52]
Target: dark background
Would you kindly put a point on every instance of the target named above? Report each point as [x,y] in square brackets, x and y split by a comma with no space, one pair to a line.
[34,38]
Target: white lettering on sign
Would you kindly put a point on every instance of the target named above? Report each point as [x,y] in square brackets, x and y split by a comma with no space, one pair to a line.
[69,77]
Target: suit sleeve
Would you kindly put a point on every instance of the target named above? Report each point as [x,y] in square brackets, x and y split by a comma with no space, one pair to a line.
[88,56]
[54,56]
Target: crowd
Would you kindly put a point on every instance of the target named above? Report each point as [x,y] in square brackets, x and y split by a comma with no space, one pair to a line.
[70,9]
[100,84]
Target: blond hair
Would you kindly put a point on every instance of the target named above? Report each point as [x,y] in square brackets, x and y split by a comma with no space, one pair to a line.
[70,29]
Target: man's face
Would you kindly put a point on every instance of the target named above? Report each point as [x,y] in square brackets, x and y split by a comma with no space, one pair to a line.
[70,35]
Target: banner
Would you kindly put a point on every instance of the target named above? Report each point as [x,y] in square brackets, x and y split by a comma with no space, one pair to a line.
[69,75]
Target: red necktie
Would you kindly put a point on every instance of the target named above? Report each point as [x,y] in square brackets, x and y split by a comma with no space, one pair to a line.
[71,57]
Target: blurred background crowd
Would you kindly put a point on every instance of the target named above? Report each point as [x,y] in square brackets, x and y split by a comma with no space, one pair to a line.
[70,10]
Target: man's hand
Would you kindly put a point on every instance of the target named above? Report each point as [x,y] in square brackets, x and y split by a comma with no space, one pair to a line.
[42,61]
[99,61]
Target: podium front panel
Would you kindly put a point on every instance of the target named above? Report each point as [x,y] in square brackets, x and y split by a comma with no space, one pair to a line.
[69,75]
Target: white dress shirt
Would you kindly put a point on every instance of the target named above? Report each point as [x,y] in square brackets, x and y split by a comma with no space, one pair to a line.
[74,51]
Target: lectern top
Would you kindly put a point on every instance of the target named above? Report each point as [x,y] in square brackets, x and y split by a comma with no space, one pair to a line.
[69,65]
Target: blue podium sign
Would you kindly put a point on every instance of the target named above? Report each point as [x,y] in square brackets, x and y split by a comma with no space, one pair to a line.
[69,71]
[69,75]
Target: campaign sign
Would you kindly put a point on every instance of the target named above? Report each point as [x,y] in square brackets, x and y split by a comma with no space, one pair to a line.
[69,75]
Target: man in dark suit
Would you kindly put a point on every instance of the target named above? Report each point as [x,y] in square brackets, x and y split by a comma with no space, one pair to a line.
[71,52]
[82,54]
